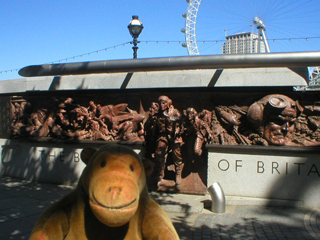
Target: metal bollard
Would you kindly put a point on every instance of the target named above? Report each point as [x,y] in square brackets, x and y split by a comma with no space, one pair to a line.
[218,198]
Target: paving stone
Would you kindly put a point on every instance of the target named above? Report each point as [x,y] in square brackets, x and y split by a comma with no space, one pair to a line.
[21,203]
[16,201]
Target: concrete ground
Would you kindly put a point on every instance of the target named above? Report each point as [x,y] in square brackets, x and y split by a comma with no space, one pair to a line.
[21,203]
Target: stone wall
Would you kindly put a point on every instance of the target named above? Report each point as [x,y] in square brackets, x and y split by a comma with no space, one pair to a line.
[169,117]
[282,173]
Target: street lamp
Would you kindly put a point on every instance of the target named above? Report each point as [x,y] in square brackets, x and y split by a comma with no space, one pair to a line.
[135,28]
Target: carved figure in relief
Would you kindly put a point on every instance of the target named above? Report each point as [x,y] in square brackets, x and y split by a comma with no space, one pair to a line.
[150,134]
[167,128]
[67,119]
[200,124]
[150,128]
[19,111]
[308,125]
[274,116]
[315,124]
[275,119]
[228,121]
[95,132]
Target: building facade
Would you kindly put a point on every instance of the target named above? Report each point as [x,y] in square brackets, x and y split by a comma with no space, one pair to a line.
[245,42]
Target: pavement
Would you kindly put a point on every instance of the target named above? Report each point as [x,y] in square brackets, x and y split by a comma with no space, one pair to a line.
[21,203]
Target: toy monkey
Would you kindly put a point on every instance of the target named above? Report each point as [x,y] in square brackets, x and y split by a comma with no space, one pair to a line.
[111,201]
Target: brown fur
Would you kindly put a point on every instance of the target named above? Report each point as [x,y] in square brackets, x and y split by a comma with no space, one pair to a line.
[111,201]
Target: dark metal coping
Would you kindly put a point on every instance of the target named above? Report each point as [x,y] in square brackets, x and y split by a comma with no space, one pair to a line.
[275,60]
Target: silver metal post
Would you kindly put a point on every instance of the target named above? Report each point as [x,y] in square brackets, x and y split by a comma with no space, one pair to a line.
[218,198]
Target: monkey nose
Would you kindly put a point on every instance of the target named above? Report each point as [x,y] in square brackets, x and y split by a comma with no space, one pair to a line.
[115,189]
[114,193]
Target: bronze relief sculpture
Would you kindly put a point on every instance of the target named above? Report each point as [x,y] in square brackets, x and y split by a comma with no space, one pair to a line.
[175,137]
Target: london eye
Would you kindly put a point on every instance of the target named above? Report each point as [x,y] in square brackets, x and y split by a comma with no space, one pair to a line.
[283,26]
[291,25]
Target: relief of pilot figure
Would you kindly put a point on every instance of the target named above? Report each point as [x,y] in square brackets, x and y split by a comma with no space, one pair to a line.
[168,140]
[274,116]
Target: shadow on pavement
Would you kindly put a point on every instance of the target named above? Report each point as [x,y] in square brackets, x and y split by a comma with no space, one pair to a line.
[22,202]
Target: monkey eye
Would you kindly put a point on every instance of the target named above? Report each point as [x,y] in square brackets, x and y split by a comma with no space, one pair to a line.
[131,168]
[103,163]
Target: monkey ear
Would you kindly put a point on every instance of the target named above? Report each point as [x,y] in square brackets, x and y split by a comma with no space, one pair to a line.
[148,166]
[87,153]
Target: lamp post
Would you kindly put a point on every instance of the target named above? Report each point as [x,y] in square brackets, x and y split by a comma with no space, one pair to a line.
[135,28]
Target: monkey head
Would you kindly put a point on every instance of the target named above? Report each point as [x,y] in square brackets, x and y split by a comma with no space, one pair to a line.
[115,182]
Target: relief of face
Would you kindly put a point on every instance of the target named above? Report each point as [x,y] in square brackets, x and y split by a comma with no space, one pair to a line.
[154,108]
[191,114]
[279,131]
[164,104]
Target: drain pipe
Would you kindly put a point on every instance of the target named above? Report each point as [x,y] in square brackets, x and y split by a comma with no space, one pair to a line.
[218,198]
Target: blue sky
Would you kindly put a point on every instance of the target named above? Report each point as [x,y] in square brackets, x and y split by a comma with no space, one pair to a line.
[44,31]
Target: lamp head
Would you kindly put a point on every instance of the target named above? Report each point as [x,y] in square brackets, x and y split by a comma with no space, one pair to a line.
[135,26]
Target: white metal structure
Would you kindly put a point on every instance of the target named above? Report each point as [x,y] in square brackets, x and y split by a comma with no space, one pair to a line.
[190,30]
[261,27]
[315,76]
[290,27]
[288,12]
